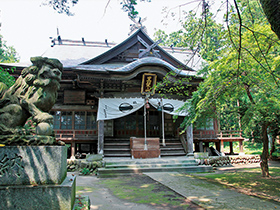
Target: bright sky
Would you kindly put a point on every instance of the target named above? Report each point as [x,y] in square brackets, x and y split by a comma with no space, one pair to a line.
[28,26]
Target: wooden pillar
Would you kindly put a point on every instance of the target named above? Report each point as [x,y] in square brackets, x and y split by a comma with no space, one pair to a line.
[231,148]
[100,148]
[73,145]
[196,144]
[200,145]
[206,146]
[240,146]
[222,146]
[218,145]
[190,140]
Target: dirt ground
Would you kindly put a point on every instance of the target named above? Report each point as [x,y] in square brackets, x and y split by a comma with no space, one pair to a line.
[104,192]
[103,195]
[142,180]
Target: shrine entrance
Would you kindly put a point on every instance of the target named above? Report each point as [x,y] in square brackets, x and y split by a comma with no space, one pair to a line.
[133,124]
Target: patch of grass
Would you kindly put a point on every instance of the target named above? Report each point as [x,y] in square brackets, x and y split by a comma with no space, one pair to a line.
[81,203]
[142,189]
[251,181]
[249,148]
[80,189]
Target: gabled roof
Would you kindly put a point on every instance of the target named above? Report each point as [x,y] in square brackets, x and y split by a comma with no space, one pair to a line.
[169,55]
[76,54]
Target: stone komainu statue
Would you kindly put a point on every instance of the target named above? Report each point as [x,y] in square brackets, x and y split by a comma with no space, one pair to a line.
[24,107]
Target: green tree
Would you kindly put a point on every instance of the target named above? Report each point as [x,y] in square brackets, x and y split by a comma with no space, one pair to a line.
[243,67]
[61,6]
[7,55]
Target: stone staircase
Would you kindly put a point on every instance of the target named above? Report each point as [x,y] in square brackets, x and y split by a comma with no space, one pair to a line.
[117,147]
[121,148]
[126,166]
[173,148]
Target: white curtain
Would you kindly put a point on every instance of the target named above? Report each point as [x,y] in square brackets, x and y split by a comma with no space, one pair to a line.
[169,106]
[113,108]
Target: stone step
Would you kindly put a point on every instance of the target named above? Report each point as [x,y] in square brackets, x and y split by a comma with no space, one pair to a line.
[117,149]
[151,165]
[173,154]
[117,155]
[121,148]
[171,148]
[117,144]
[150,161]
[112,172]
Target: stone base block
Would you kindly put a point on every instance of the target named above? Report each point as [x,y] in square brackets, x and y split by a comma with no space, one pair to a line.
[145,153]
[140,150]
[43,197]
[32,165]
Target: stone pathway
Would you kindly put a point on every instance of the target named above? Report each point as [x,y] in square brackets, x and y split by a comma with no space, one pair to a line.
[101,198]
[209,195]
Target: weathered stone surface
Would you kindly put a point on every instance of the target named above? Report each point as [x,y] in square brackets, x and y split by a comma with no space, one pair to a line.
[32,165]
[43,197]
[11,140]
[91,158]
[24,107]
[201,155]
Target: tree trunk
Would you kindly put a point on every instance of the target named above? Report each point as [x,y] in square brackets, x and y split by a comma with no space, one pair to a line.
[272,12]
[264,155]
[272,147]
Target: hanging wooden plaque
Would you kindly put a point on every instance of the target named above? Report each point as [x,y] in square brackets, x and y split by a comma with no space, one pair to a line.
[148,83]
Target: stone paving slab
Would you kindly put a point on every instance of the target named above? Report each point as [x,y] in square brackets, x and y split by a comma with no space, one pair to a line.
[102,199]
[209,195]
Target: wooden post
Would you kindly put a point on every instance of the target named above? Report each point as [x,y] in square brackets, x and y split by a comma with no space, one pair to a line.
[222,146]
[73,145]
[240,146]
[218,145]
[200,145]
[162,117]
[190,140]
[206,146]
[100,137]
[231,148]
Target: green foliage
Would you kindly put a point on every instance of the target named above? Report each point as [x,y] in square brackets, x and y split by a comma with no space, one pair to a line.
[85,171]
[7,53]
[129,7]
[61,6]
[205,38]
[6,78]
[242,75]
[249,148]
[173,85]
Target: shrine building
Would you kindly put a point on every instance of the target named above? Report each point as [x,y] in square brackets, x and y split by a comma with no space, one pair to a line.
[108,97]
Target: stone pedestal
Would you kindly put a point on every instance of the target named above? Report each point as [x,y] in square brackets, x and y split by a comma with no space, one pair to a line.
[35,177]
[139,150]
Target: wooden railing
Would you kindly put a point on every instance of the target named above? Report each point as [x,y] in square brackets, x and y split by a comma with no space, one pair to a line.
[205,135]
[76,134]
[214,135]
[230,134]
